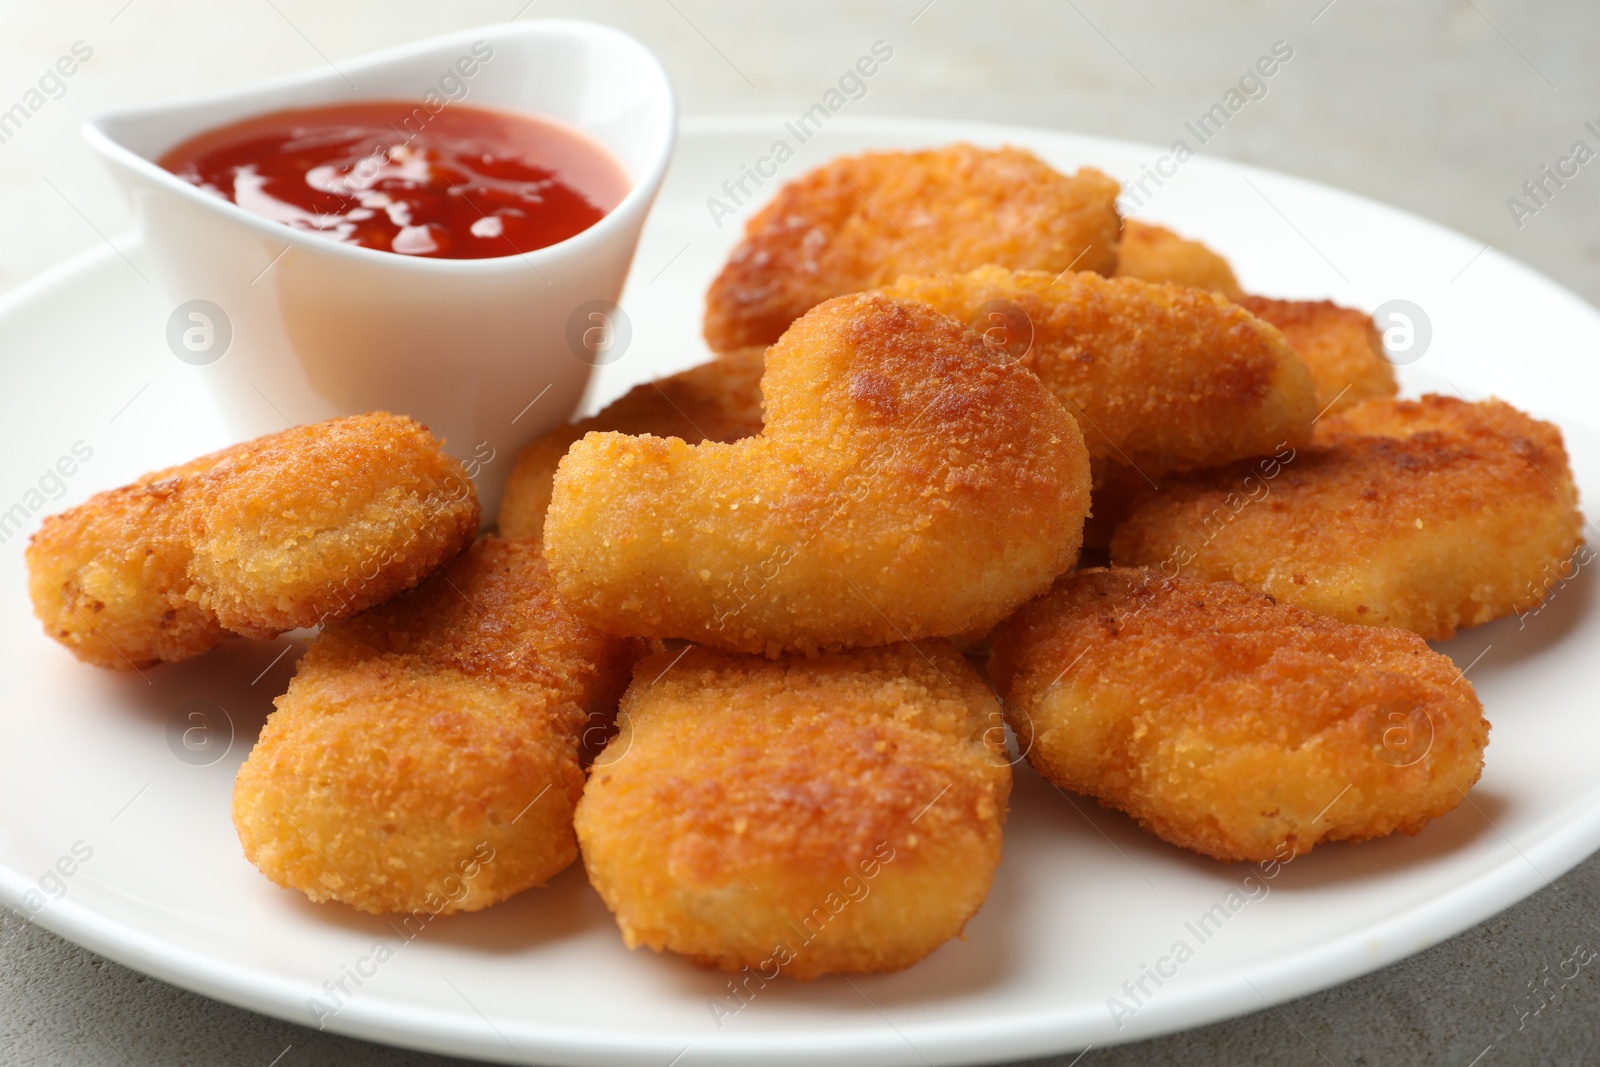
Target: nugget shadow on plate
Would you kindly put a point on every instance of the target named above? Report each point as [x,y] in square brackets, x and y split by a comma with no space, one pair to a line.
[1330,863]
[1534,632]
[564,909]
[954,970]
[1336,863]
[1346,862]
[1047,809]
[241,678]
[959,968]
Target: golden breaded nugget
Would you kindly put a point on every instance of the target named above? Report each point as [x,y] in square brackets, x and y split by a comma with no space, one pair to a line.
[425,758]
[1160,377]
[1438,414]
[862,221]
[1156,254]
[905,486]
[288,530]
[716,401]
[318,522]
[1425,514]
[809,816]
[1232,725]
[109,579]
[1339,344]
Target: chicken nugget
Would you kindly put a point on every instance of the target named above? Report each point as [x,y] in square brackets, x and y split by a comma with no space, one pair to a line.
[109,579]
[1426,514]
[319,522]
[1340,345]
[288,530]
[1232,725]
[862,221]
[425,757]
[1156,254]
[905,486]
[716,401]
[837,814]
[1439,414]
[1160,377]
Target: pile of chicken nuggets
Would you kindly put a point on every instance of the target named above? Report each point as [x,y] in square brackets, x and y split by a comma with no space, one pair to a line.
[975,453]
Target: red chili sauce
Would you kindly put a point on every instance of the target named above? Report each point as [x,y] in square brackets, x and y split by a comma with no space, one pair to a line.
[460,183]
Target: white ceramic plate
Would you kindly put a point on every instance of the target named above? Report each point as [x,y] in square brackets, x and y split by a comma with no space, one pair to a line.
[1083,899]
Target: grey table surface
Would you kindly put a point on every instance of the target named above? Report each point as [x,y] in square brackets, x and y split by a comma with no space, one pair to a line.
[1442,107]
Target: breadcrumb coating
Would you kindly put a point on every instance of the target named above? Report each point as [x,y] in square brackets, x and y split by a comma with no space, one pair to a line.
[1427,514]
[293,529]
[806,816]
[862,221]
[1161,378]
[905,486]
[716,401]
[1156,254]
[426,755]
[109,579]
[319,522]
[1340,345]
[1232,725]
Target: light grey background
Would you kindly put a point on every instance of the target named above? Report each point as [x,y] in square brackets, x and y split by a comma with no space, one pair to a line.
[1442,107]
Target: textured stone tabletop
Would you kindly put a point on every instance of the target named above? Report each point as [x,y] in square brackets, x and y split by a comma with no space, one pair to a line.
[1442,107]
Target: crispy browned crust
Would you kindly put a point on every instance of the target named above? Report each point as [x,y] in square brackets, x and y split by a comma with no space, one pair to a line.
[1426,514]
[838,814]
[896,457]
[1160,377]
[292,529]
[862,221]
[1232,725]
[1156,254]
[716,401]
[319,522]
[1434,413]
[425,758]
[1339,344]
[109,578]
